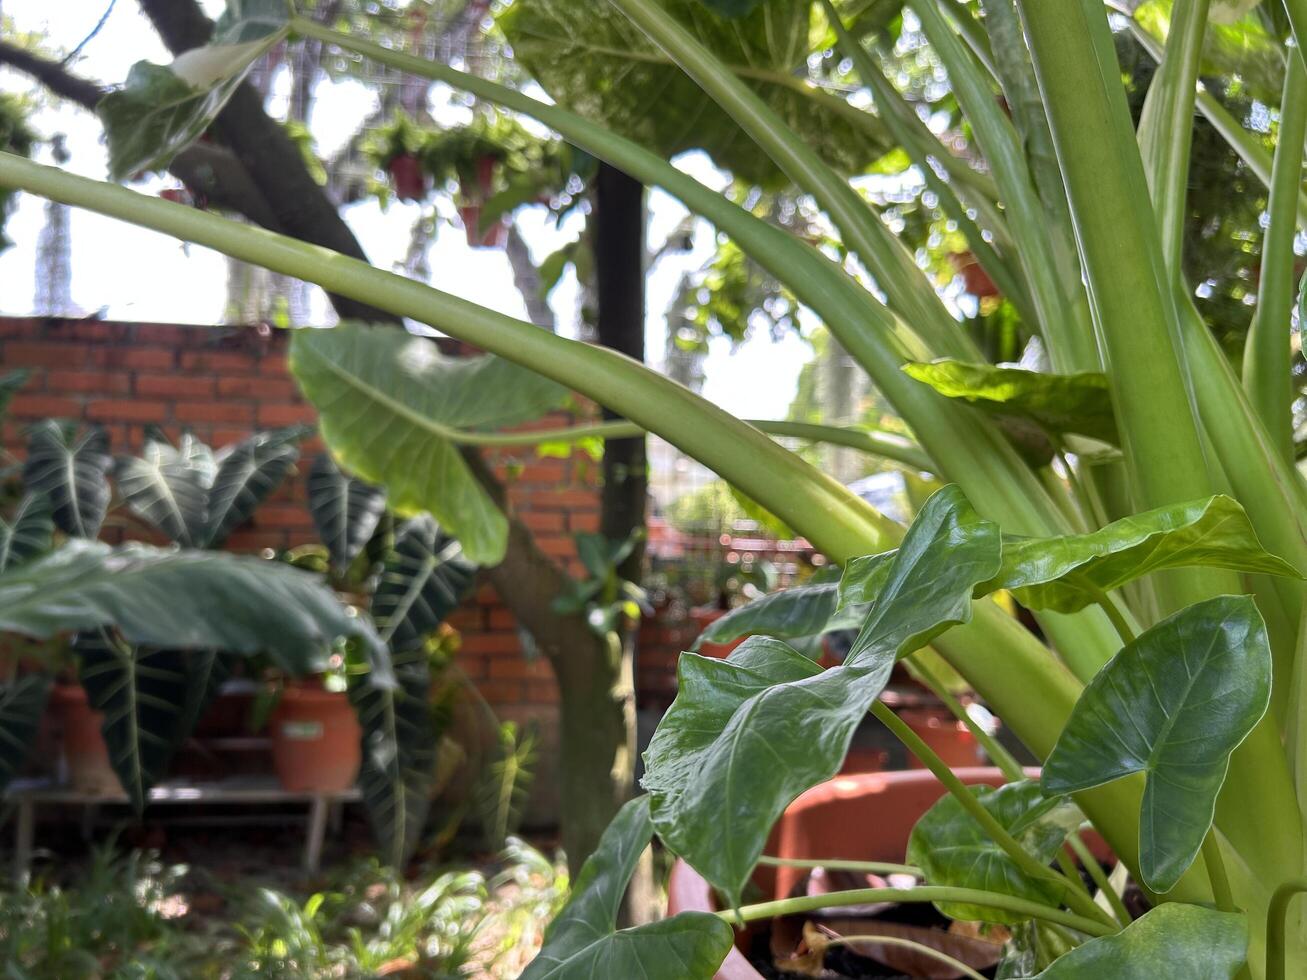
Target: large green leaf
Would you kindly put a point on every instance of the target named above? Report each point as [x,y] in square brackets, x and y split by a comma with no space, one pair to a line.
[392,408]
[247,475]
[206,670]
[22,703]
[803,611]
[1056,403]
[1173,705]
[1068,573]
[863,578]
[584,941]
[181,599]
[746,735]
[346,510]
[142,692]
[1172,940]
[161,110]
[72,471]
[28,533]
[399,752]
[567,45]
[162,487]
[10,383]
[422,582]
[951,847]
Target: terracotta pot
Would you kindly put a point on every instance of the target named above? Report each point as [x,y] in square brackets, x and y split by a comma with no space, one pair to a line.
[493,237]
[85,757]
[705,616]
[859,818]
[950,739]
[408,177]
[315,740]
[974,277]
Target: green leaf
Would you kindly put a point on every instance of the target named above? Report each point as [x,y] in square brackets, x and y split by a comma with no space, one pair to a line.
[181,599]
[746,735]
[366,382]
[732,8]
[1172,940]
[399,752]
[1067,573]
[803,611]
[646,98]
[72,472]
[164,489]
[248,473]
[142,692]
[583,940]
[28,533]
[345,510]
[205,670]
[160,110]
[22,704]
[422,582]
[1173,705]
[863,579]
[10,383]
[951,848]
[1056,403]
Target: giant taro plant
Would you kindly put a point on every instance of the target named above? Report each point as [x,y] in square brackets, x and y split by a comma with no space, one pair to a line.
[1157,534]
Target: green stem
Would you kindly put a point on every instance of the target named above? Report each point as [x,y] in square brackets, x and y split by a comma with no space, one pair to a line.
[1117,615]
[922,893]
[1073,897]
[1000,756]
[1266,364]
[1277,926]
[1216,872]
[868,867]
[921,949]
[1104,883]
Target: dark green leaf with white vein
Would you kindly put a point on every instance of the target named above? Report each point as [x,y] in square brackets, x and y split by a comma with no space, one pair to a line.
[72,470]
[345,510]
[422,582]
[22,705]
[28,533]
[1173,705]
[165,490]
[247,474]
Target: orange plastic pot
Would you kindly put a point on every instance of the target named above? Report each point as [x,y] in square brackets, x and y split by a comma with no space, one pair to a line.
[949,738]
[315,741]
[705,616]
[866,817]
[85,756]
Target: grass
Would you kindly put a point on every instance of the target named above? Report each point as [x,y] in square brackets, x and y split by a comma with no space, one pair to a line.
[130,916]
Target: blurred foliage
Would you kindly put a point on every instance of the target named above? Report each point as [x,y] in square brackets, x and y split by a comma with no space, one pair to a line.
[15,137]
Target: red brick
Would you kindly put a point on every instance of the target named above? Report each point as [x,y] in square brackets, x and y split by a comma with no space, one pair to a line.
[519,668]
[259,386]
[540,520]
[274,415]
[256,539]
[557,547]
[564,499]
[117,410]
[45,406]
[582,521]
[214,411]
[136,359]
[31,354]
[171,334]
[219,361]
[491,643]
[542,692]
[173,386]
[274,365]
[501,692]
[101,382]
[501,619]
[466,618]
[284,515]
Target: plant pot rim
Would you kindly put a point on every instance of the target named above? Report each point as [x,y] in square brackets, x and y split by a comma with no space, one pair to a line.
[312,693]
[687,890]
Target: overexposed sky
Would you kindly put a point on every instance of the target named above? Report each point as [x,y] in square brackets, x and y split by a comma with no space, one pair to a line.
[139,275]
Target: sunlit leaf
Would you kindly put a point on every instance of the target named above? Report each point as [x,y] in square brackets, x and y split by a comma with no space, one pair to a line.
[165,490]
[1172,940]
[803,611]
[390,407]
[1173,705]
[951,848]
[584,941]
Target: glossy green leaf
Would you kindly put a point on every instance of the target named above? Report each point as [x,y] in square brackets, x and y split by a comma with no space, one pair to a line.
[732,8]
[1172,940]
[365,382]
[160,110]
[1056,403]
[181,599]
[165,490]
[746,735]
[951,848]
[863,578]
[28,533]
[584,941]
[141,692]
[399,752]
[345,510]
[22,704]
[648,99]
[1173,705]
[803,611]
[1067,573]
[422,582]
[247,474]
[72,471]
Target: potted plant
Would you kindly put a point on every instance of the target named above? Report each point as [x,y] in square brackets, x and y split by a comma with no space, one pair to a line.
[1185,669]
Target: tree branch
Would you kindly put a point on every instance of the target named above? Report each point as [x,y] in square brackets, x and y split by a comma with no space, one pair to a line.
[52,75]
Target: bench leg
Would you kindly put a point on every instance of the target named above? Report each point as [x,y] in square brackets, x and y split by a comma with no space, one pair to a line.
[24,829]
[316,830]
